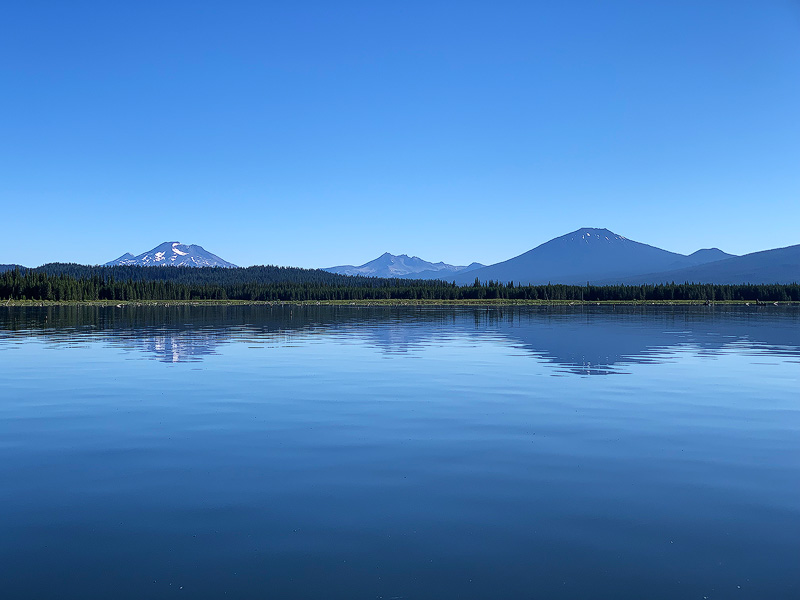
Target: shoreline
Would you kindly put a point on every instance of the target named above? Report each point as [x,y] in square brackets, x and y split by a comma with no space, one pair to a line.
[388,303]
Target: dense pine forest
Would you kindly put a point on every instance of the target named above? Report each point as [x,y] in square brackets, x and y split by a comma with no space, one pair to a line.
[194,275]
[79,283]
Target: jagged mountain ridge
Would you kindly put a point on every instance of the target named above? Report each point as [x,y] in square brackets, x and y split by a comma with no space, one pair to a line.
[402,265]
[172,254]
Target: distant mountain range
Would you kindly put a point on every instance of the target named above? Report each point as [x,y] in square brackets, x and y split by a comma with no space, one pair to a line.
[402,265]
[597,256]
[781,265]
[588,254]
[602,257]
[172,254]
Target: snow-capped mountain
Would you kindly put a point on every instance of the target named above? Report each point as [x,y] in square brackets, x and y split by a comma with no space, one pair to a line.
[173,254]
[410,267]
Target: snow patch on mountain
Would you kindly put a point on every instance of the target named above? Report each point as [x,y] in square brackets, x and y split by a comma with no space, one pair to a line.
[173,254]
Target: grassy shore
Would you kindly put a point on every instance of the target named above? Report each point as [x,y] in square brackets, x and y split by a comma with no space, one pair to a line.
[388,302]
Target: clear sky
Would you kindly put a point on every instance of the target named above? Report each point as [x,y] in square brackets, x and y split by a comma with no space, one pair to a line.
[322,133]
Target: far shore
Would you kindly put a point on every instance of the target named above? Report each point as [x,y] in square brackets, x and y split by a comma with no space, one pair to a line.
[390,302]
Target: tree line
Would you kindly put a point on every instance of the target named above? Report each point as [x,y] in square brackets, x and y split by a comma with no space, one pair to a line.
[82,284]
[195,275]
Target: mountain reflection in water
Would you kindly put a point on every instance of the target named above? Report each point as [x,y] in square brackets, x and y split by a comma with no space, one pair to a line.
[341,452]
[609,336]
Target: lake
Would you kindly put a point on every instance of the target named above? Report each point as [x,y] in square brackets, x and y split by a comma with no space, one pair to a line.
[342,452]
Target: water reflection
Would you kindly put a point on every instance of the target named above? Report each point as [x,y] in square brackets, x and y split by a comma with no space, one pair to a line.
[399,452]
[607,337]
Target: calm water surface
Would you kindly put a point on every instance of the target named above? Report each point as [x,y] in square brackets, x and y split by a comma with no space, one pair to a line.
[363,453]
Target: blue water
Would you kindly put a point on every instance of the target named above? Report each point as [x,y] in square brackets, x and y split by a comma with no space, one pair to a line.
[416,453]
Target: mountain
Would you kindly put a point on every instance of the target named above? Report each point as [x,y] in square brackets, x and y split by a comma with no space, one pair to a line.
[707,255]
[780,265]
[172,254]
[409,267]
[446,275]
[587,254]
[125,259]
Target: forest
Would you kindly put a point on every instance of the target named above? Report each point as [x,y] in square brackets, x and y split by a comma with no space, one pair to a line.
[79,283]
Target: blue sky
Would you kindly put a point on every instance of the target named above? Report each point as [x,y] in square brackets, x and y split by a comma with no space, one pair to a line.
[322,133]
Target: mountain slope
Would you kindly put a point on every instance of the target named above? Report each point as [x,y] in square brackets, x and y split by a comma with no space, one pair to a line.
[446,275]
[707,255]
[780,265]
[587,254]
[172,254]
[402,265]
